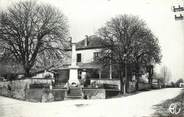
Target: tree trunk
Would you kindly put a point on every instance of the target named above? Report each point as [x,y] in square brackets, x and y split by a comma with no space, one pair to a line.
[27,71]
[150,75]
[121,82]
[127,85]
[150,80]
[125,81]
[124,88]
[137,83]
[121,79]
[137,77]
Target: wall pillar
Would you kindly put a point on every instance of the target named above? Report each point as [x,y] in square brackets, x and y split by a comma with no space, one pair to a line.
[100,74]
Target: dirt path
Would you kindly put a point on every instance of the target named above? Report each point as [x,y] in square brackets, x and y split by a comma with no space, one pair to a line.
[137,105]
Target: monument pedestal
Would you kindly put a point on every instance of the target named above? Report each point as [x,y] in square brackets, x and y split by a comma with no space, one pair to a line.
[73,76]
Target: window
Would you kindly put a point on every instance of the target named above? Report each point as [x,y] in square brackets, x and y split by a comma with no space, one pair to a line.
[96,55]
[78,57]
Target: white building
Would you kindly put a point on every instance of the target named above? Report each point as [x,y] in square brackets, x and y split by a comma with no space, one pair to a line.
[85,55]
[87,51]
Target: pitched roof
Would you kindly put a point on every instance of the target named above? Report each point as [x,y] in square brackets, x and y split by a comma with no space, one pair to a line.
[93,42]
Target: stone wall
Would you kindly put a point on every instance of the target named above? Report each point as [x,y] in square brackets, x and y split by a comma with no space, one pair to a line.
[13,89]
[107,81]
[34,95]
[4,89]
[59,94]
[112,93]
[45,95]
[18,88]
[144,86]
[94,93]
[131,87]
[39,95]
[141,85]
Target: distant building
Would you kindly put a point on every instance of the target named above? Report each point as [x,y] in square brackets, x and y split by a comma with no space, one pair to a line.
[181,85]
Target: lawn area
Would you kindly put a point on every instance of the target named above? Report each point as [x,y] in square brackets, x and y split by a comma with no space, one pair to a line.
[162,110]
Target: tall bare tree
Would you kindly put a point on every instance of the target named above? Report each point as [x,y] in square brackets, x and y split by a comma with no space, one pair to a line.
[127,40]
[29,30]
[165,74]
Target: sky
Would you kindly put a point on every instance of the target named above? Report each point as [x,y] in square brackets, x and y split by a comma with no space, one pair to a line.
[85,17]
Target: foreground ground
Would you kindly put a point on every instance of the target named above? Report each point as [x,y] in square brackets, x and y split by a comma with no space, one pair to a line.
[137,105]
[161,110]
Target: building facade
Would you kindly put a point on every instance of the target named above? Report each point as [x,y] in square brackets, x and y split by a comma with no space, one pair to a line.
[86,53]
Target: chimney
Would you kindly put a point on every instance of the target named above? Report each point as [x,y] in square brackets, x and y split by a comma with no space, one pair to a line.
[86,41]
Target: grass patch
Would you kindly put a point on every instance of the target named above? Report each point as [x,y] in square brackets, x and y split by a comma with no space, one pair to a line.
[161,110]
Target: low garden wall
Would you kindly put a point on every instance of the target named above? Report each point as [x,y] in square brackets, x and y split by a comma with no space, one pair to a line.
[45,95]
[144,86]
[131,87]
[40,90]
[141,86]
[113,82]
[24,90]
[59,94]
[111,93]
[94,93]
[19,88]
[4,89]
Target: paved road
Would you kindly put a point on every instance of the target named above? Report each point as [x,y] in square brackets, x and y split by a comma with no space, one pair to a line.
[137,105]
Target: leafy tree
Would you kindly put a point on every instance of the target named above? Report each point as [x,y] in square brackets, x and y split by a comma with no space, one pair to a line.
[179,81]
[128,41]
[173,84]
[30,32]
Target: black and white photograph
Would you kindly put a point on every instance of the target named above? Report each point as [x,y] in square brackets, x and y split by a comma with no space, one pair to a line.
[91,58]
